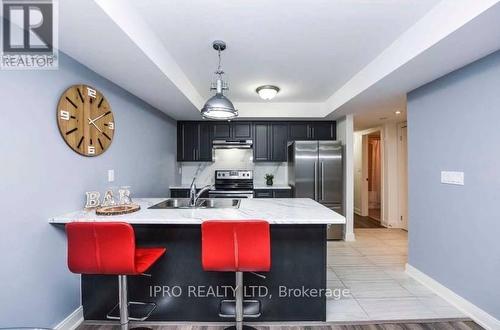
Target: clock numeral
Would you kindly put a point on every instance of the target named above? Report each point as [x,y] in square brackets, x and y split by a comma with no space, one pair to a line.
[91,150]
[91,92]
[111,125]
[65,115]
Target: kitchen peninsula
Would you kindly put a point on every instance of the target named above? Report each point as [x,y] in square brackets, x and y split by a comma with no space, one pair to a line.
[298,260]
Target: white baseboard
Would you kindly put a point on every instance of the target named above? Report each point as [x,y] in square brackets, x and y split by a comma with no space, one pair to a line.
[481,317]
[72,321]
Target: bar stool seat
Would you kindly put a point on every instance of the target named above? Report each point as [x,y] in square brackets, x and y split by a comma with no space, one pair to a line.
[108,248]
[237,246]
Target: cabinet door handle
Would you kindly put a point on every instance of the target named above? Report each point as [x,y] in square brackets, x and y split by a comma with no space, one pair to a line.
[194,153]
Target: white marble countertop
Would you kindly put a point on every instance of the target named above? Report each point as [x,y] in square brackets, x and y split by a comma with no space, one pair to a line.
[257,186]
[274,210]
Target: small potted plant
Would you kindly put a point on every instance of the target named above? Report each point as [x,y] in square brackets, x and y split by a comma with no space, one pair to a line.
[269,179]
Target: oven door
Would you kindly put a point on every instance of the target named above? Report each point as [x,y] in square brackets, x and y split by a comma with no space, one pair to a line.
[230,194]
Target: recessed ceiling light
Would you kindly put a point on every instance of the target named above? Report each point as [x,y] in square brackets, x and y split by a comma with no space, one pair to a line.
[397,112]
[267,92]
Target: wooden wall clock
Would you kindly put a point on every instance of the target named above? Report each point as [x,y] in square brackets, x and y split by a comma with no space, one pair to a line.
[85,120]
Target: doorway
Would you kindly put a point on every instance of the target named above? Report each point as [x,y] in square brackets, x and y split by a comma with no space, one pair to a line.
[369,178]
[403,175]
[374,176]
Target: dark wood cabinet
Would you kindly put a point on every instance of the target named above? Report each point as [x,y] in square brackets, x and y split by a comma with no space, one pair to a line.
[194,141]
[261,145]
[241,129]
[272,193]
[320,130]
[299,131]
[323,130]
[279,140]
[270,138]
[232,130]
[205,142]
[221,130]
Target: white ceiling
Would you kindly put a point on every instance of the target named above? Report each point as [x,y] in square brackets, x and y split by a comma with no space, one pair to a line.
[308,49]
[330,57]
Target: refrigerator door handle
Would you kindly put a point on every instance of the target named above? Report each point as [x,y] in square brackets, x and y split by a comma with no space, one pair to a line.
[322,182]
[315,181]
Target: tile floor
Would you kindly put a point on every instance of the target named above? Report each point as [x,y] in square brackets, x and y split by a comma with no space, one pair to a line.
[373,269]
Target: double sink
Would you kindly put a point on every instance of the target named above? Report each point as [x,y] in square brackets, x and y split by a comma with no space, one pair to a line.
[201,203]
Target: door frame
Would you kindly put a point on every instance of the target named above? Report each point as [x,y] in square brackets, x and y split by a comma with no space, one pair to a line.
[364,172]
[402,185]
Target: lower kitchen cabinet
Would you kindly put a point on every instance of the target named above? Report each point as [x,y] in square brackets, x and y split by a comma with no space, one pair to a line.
[272,193]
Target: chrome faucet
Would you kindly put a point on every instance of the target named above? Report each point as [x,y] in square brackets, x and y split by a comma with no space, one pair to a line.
[193,196]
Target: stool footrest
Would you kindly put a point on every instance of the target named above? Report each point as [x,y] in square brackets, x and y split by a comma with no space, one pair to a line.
[251,309]
[138,311]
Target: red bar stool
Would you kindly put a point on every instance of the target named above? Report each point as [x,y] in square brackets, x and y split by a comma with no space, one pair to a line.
[236,246]
[108,248]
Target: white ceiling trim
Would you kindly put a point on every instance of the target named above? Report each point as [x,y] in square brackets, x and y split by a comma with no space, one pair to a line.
[279,110]
[444,19]
[145,38]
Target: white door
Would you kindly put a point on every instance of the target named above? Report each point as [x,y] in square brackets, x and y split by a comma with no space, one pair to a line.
[403,176]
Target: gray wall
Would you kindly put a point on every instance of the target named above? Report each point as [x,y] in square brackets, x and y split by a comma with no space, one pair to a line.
[42,177]
[454,124]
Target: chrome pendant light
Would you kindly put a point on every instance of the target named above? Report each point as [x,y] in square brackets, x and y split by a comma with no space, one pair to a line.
[219,106]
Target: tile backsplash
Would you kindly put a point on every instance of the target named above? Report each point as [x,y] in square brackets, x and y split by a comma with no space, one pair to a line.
[232,159]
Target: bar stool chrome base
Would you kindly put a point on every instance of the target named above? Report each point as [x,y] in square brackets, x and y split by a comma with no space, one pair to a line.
[123,307]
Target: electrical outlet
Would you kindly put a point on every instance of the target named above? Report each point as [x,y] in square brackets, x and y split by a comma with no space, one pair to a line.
[450,177]
[111,175]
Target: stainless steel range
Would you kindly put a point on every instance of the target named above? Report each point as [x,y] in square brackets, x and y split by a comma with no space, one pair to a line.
[233,184]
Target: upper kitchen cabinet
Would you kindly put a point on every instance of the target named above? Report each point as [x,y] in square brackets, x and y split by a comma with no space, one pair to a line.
[194,142]
[221,130]
[270,140]
[232,130]
[299,131]
[241,129]
[321,130]
[324,130]
[261,142]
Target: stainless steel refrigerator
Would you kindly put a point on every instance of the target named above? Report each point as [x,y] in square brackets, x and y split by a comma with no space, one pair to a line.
[315,170]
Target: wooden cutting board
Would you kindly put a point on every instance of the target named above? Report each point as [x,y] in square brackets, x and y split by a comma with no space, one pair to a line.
[117,209]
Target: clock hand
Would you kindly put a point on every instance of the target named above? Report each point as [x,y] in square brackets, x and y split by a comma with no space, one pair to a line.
[104,114]
[92,122]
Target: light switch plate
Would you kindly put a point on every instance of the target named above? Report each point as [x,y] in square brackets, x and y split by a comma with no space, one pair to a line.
[451,177]
[111,175]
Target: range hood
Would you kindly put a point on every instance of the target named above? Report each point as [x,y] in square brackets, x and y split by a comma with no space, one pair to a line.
[232,144]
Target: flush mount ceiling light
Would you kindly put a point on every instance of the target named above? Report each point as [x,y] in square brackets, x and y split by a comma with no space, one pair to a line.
[267,92]
[397,112]
[219,106]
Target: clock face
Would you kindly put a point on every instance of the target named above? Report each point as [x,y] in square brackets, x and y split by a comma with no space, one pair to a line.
[85,120]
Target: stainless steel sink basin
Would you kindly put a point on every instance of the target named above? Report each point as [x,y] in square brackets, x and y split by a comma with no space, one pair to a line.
[202,203]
